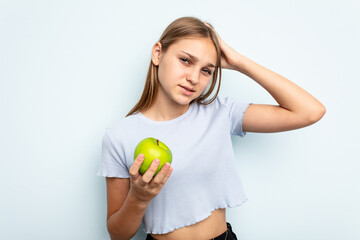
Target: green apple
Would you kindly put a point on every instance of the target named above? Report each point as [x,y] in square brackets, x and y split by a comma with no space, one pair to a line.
[152,149]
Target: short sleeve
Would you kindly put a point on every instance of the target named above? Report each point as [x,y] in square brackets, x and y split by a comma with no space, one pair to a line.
[236,110]
[112,162]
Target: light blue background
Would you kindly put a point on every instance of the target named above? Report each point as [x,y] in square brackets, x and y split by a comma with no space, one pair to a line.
[69,69]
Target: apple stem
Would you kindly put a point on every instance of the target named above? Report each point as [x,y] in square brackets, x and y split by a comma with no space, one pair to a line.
[157,141]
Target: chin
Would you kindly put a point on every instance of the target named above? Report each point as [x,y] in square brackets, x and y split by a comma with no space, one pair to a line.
[184,102]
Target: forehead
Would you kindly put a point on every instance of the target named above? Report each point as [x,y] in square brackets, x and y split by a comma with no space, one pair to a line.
[202,48]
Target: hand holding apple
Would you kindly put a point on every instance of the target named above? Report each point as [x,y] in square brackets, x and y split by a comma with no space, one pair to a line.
[143,188]
[152,149]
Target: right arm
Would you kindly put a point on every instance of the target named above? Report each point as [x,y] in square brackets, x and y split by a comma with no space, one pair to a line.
[128,198]
[130,209]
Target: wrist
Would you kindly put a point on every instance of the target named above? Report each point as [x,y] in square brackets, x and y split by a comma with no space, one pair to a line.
[133,198]
[240,63]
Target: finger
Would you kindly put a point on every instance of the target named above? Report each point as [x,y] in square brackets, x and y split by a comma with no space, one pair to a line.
[214,31]
[207,24]
[158,179]
[211,28]
[148,175]
[167,175]
[135,167]
[162,176]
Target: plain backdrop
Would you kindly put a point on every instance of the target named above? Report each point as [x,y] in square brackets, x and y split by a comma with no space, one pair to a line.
[69,69]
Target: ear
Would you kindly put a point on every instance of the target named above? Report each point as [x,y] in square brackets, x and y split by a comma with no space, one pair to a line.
[156,53]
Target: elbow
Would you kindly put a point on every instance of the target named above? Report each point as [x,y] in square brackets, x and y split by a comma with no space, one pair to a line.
[110,231]
[317,115]
[116,235]
[112,234]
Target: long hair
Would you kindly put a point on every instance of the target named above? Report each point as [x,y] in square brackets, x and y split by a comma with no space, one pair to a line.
[178,29]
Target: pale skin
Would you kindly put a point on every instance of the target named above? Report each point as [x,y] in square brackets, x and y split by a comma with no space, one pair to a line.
[129,198]
[175,69]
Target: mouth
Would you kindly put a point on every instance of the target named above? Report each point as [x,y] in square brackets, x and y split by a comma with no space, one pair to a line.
[186,91]
[189,89]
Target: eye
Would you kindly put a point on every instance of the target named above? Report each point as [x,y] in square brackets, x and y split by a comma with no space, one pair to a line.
[186,60]
[182,59]
[208,71]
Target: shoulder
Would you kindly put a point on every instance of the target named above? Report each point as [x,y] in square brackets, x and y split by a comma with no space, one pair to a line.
[122,127]
[221,102]
[227,101]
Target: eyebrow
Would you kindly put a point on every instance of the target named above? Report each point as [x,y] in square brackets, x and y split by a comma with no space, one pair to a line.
[196,59]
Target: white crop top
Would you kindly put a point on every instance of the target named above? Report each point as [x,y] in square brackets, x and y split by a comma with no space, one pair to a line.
[204,177]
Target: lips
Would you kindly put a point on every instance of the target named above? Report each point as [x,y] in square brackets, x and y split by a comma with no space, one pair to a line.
[187,88]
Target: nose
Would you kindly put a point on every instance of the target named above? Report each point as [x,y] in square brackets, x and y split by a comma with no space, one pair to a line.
[193,76]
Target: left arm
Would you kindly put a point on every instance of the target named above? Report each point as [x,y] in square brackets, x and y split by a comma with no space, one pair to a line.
[296,109]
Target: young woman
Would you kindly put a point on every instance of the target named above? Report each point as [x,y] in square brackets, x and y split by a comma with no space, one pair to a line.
[187,200]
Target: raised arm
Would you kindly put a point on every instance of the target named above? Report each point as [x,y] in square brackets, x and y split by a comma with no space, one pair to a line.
[296,109]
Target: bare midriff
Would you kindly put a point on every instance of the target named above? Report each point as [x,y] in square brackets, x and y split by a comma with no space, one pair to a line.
[206,229]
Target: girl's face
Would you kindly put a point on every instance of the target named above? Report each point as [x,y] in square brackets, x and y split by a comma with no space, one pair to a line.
[190,63]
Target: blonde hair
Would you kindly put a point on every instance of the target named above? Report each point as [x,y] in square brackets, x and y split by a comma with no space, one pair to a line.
[178,29]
